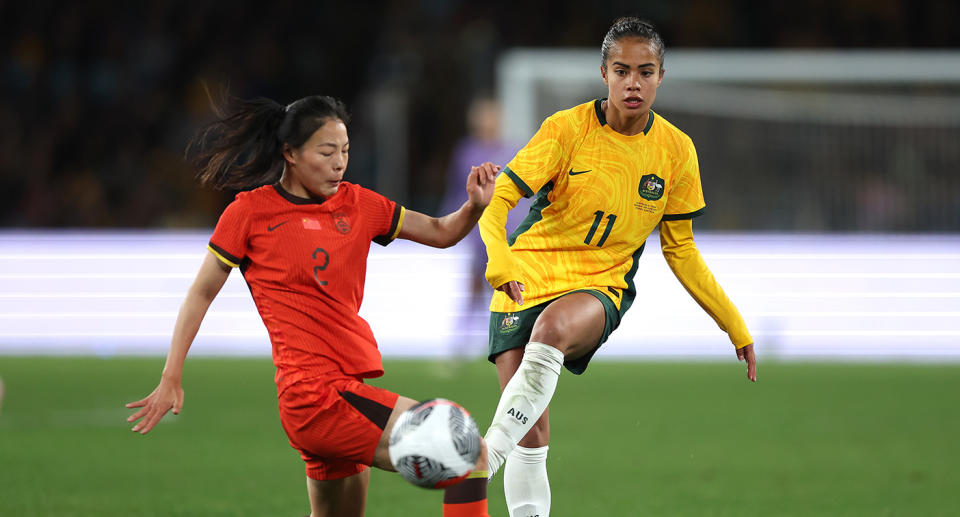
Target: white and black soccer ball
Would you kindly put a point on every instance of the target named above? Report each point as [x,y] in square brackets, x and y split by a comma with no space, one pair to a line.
[434,444]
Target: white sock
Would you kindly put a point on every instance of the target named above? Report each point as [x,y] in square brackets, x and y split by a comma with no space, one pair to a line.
[524,399]
[525,483]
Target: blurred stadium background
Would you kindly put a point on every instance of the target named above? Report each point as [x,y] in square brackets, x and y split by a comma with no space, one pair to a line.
[829,142]
[827,135]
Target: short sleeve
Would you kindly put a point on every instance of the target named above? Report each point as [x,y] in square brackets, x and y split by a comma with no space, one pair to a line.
[385,216]
[540,160]
[229,239]
[685,197]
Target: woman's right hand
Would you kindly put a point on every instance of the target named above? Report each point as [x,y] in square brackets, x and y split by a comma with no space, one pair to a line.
[168,395]
[514,290]
[480,184]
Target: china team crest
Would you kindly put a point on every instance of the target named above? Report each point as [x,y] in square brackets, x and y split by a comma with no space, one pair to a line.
[651,187]
[341,222]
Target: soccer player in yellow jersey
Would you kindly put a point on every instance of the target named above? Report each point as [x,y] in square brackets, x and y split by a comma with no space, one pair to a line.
[604,174]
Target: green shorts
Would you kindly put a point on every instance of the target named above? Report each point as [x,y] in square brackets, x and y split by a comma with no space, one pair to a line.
[510,330]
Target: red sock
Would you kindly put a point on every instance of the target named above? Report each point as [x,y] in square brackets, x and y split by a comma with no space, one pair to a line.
[474,509]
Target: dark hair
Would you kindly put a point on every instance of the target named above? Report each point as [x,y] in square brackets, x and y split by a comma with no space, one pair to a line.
[243,148]
[631,27]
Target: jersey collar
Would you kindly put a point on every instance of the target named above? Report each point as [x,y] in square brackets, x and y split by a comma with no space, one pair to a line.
[598,107]
[297,200]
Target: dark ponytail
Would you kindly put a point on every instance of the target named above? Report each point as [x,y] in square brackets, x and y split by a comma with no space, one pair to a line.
[243,148]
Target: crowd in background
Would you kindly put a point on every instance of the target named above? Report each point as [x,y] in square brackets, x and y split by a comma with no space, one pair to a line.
[99,100]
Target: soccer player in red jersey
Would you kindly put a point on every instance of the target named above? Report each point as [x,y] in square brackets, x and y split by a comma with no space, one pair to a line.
[301,241]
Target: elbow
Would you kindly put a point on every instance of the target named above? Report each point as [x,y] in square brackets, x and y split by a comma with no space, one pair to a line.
[676,257]
[672,260]
[203,293]
[438,240]
[671,253]
[446,235]
[446,242]
[679,250]
[441,236]
[205,296]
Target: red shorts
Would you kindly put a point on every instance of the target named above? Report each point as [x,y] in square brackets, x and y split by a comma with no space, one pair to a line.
[336,423]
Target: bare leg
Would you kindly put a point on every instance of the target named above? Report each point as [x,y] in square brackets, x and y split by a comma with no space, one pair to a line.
[381,458]
[573,324]
[346,497]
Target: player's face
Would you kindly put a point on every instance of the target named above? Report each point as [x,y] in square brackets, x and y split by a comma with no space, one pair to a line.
[320,163]
[632,76]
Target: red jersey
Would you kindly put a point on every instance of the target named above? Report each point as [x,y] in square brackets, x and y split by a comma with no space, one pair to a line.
[305,261]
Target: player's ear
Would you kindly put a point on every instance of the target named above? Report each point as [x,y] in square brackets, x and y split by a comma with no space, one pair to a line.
[289,153]
[603,74]
[660,80]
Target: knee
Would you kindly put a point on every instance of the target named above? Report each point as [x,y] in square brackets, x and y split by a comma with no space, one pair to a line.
[551,331]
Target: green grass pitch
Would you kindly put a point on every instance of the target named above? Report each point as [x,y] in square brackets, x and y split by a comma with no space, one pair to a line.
[629,439]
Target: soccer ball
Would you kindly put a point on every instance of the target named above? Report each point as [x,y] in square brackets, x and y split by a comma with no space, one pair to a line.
[434,444]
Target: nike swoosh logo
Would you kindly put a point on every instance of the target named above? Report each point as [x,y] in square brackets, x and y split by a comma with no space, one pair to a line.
[574,173]
[272,228]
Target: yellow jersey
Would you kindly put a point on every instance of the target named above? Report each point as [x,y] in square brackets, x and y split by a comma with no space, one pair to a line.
[598,195]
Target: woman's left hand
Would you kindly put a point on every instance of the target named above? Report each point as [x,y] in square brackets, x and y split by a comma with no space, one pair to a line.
[747,354]
[480,184]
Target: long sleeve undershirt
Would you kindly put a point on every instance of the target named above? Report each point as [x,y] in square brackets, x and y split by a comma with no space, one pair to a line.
[501,266]
[683,257]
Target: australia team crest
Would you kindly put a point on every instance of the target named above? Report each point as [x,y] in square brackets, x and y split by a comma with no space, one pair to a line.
[510,323]
[651,187]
